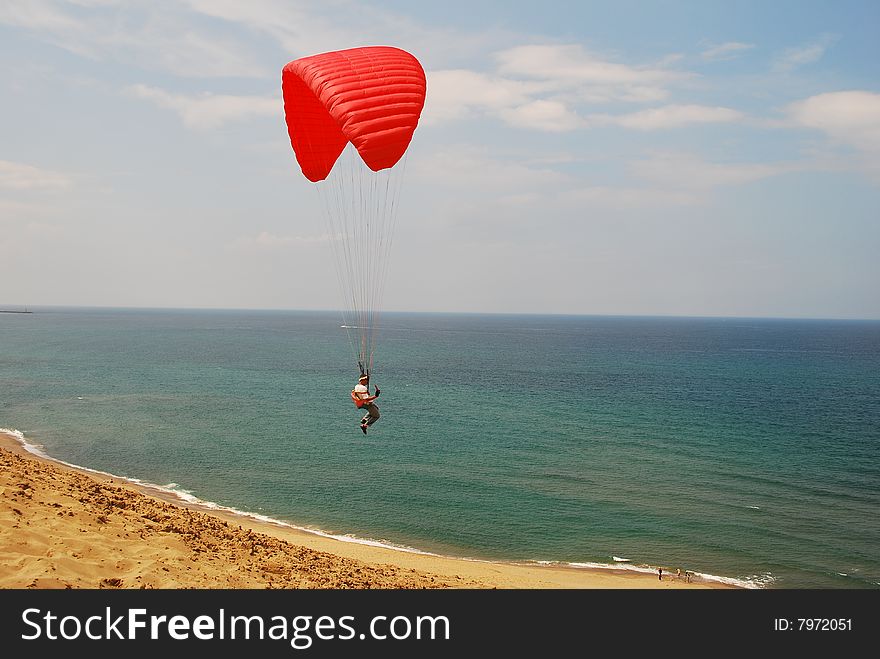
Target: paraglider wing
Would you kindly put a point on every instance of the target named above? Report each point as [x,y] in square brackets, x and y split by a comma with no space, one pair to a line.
[371,97]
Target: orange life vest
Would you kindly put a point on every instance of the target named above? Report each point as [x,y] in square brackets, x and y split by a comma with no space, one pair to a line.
[358,403]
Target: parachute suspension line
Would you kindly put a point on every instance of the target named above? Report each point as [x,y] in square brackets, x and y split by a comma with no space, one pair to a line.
[349,189]
[360,209]
[337,225]
[393,185]
[331,192]
[363,224]
[389,184]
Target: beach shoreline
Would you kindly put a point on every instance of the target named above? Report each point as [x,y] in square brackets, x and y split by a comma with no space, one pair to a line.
[63,526]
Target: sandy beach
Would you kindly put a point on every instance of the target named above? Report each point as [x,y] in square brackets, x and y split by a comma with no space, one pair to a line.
[62,527]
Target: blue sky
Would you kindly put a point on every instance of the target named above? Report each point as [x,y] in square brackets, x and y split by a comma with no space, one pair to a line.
[672,158]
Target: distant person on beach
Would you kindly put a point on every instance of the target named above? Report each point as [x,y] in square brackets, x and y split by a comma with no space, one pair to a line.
[660,574]
[362,398]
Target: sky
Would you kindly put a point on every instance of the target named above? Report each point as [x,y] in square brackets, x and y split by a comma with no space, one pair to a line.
[696,158]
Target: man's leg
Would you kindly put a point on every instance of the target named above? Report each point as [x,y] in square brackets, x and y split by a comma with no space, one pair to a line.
[372,414]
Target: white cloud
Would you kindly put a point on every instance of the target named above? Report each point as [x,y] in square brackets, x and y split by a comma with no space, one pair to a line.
[626,198]
[475,169]
[551,116]
[48,19]
[209,111]
[298,27]
[685,171]
[134,32]
[191,53]
[35,15]
[668,60]
[19,176]
[456,94]
[459,94]
[793,58]
[573,71]
[524,190]
[726,51]
[850,117]
[545,87]
[670,116]
[572,64]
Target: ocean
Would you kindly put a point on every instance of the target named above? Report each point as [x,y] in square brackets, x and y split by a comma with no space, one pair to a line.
[743,450]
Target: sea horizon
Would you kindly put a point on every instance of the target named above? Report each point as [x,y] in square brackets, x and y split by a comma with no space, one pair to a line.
[562,314]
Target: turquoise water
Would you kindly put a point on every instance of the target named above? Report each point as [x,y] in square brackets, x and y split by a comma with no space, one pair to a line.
[744,449]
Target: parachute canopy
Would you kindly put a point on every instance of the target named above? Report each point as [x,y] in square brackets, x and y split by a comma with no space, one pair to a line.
[371,97]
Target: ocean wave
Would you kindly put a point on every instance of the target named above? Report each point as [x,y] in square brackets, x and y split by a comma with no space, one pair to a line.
[36,449]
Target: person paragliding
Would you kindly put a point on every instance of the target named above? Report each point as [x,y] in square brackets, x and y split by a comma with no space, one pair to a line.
[360,107]
[362,399]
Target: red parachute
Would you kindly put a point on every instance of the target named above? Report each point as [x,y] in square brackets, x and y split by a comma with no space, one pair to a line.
[371,97]
[362,104]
